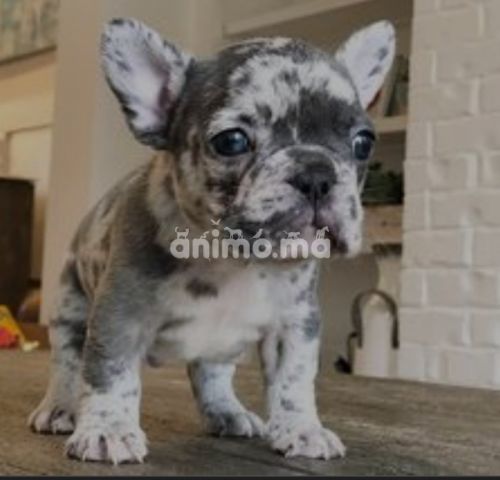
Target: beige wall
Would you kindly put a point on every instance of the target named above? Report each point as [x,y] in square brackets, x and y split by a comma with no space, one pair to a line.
[26,115]
[27,92]
[450,309]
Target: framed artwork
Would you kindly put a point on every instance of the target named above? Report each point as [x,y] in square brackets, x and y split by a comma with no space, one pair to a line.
[27,27]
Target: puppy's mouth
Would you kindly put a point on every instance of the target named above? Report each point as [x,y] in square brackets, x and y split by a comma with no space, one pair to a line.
[331,231]
[304,223]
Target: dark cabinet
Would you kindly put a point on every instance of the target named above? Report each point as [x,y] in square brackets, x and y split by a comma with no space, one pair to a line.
[16,221]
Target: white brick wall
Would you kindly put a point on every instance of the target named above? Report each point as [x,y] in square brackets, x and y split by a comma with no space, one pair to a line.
[450,292]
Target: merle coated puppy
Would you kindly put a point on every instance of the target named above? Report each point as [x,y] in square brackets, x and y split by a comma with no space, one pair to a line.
[267,136]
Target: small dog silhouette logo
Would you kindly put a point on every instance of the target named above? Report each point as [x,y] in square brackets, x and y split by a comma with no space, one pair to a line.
[181,234]
[258,234]
[320,234]
[235,234]
[207,244]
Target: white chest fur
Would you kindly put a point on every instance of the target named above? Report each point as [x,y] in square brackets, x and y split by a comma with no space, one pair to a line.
[219,323]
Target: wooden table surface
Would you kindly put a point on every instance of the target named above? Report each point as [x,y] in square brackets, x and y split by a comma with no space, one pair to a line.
[390,428]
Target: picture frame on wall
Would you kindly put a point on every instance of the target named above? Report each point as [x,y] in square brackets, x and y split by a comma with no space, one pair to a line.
[27,27]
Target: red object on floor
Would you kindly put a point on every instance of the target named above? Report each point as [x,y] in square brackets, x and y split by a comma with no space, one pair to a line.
[7,339]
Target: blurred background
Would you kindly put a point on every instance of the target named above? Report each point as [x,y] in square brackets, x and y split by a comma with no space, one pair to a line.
[422,302]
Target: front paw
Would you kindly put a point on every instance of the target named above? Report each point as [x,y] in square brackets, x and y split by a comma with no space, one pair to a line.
[117,441]
[51,418]
[237,422]
[308,440]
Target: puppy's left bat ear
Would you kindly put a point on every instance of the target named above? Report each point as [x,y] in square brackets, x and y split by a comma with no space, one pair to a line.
[368,55]
[147,74]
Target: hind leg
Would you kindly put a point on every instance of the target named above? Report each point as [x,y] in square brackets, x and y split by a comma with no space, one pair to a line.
[220,408]
[56,412]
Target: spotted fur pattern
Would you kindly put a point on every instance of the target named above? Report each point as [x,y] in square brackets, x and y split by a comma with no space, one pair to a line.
[125,299]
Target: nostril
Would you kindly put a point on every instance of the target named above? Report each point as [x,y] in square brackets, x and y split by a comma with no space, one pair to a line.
[324,188]
[302,183]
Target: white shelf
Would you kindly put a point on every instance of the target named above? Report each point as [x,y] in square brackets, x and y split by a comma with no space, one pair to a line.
[391,125]
[298,11]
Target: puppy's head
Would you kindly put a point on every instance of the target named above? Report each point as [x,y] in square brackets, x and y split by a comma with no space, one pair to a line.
[269,135]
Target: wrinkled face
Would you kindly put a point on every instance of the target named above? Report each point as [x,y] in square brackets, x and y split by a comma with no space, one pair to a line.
[269,136]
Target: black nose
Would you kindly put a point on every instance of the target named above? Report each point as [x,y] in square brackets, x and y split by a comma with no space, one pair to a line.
[314,181]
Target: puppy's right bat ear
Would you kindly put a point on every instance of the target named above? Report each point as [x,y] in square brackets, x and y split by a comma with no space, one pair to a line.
[146,73]
[368,56]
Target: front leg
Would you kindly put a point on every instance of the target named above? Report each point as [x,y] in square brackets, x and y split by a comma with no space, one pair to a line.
[107,428]
[290,362]
[217,402]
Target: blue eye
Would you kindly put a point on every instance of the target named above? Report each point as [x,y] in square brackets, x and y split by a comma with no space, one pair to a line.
[362,145]
[231,143]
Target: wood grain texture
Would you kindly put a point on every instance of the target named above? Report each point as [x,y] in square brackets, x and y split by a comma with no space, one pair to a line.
[389,427]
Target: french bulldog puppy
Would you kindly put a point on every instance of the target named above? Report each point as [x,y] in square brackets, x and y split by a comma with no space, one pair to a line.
[268,136]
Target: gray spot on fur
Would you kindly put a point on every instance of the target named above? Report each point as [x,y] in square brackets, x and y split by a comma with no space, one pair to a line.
[382,53]
[172,323]
[290,77]
[76,334]
[288,405]
[131,393]
[201,288]
[305,295]
[375,71]
[353,208]
[311,326]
